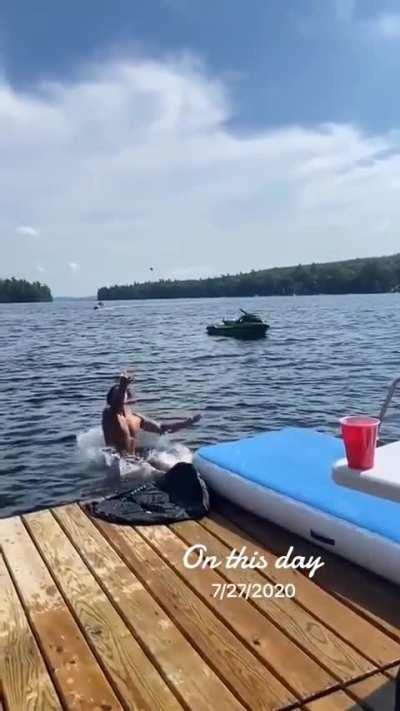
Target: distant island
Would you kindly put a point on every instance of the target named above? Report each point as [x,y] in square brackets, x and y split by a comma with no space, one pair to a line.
[22,291]
[354,276]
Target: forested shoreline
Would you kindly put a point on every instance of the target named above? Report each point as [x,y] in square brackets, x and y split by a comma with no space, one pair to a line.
[353,276]
[22,291]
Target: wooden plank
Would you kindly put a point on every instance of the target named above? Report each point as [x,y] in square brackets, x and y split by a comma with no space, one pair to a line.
[372,597]
[193,680]
[337,658]
[133,675]
[250,680]
[370,641]
[377,693]
[76,673]
[339,701]
[393,672]
[24,678]
[273,647]
[314,637]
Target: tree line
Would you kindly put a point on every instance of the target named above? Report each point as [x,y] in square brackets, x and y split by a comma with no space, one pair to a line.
[19,290]
[354,276]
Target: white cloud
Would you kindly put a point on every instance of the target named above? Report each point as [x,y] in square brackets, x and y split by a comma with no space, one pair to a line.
[27,231]
[386,25]
[40,269]
[134,165]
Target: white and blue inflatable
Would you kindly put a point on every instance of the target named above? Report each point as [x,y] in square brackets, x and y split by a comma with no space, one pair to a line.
[286,477]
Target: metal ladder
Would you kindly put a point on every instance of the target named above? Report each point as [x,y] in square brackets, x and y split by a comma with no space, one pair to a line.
[388,399]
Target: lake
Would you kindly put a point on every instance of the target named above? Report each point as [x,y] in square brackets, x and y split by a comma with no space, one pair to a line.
[324,356]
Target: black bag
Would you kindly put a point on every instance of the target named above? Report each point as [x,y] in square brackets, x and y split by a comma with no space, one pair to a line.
[179,495]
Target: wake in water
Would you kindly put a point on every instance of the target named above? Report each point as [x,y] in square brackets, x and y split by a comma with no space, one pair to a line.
[158,455]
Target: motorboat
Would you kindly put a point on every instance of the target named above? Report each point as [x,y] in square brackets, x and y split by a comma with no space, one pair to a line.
[248,325]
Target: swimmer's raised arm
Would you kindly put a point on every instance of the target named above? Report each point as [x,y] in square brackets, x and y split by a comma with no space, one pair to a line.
[121,391]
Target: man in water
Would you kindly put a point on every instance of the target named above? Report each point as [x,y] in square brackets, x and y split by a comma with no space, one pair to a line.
[121,426]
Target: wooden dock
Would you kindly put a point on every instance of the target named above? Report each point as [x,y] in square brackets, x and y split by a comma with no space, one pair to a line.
[99,616]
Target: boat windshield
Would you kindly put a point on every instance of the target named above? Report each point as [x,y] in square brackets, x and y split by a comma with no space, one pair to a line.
[249,318]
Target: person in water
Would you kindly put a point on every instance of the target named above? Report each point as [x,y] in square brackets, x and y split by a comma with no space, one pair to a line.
[121,426]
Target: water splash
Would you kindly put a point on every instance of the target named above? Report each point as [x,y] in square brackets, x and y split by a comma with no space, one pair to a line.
[161,454]
[90,445]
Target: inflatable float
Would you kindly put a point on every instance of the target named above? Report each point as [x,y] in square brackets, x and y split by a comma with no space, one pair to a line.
[382,480]
[286,477]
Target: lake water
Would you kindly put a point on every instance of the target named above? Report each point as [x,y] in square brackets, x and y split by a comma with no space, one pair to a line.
[324,357]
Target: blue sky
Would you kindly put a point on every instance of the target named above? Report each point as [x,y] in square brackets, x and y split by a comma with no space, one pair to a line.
[197,138]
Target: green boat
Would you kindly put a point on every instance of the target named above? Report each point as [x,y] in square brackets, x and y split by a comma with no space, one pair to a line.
[246,326]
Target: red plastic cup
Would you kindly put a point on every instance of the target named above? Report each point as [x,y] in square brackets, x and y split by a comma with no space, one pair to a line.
[359,435]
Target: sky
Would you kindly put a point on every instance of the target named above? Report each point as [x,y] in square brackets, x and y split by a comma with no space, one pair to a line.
[179,138]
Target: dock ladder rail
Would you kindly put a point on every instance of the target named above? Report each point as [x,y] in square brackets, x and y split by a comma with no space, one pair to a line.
[395,384]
